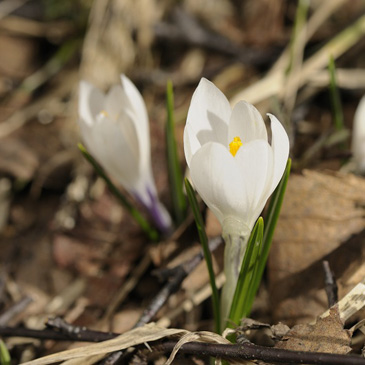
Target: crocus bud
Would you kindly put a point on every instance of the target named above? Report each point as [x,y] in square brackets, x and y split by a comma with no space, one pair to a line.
[115,130]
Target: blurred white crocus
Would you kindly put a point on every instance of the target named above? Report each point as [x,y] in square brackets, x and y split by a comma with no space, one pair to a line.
[115,130]
[358,137]
[233,167]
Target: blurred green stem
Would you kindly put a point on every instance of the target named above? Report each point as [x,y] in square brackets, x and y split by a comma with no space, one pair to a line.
[151,232]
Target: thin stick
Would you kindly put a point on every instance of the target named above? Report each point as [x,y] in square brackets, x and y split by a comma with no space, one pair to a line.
[330,284]
[246,351]
[180,273]
[15,310]
[249,351]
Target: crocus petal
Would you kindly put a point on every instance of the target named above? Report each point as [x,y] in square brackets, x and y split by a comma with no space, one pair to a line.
[115,101]
[280,147]
[138,107]
[208,114]
[127,128]
[112,142]
[136,102]
[255,161]
[247,123]
[217,179]
[191,143]
[358,137]
[91,102]
[87,136]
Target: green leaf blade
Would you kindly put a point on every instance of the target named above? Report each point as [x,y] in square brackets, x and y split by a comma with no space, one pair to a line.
[174,169]
[207,254]
[5,358]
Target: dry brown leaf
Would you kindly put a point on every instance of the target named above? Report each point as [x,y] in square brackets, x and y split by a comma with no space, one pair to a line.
[160,252]
[17,159]
[20,55]
[70,252]
[200,276]
[326,335]
[320,214]
[212,226]
[279,330]
[126,319]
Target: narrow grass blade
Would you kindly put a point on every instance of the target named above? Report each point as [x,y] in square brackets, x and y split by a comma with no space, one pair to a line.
[52,67]
[5,358]
[335,96]
[240,305]
[207,254]
[175,174]
[271,220]
[299,22]
[146,227]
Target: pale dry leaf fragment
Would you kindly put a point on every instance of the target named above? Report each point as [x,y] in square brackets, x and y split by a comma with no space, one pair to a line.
[279,330]
[358,326]
[120,34]
[350,303]
[206,337]
[137,336]
[90,360]
[248,323]
[274,82]
[326,335]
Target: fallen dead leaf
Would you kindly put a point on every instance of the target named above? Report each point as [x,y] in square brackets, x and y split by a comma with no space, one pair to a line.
[320,214]
[137,336]
[17,159]
[212,226]
[126,319]
[70,252]
[326,335]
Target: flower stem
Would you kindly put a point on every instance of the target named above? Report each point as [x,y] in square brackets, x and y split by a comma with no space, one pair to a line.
[233,255]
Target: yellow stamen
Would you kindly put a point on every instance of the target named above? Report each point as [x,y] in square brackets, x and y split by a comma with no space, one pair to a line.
[235,145]
[104,113]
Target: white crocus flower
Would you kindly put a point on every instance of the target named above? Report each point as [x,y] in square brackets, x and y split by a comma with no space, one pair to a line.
[233,167]
[358,137]
[115,130]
